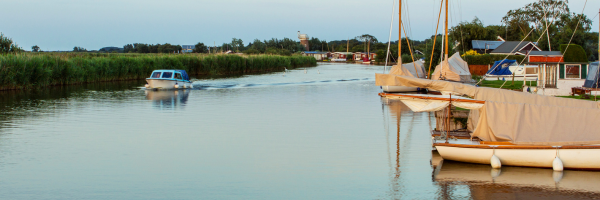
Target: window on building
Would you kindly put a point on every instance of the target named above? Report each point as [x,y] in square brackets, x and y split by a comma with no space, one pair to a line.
[167,74]
[573,71]
[156,75]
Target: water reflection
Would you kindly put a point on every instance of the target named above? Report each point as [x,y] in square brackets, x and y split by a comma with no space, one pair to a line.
[168,99]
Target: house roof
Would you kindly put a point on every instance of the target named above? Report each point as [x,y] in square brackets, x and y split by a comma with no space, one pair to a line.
[512,47]
[545,53]
[486,44]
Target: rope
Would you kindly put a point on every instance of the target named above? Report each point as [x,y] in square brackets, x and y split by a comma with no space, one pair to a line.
[577,26]
[434,40]
[545,14]
[390,38]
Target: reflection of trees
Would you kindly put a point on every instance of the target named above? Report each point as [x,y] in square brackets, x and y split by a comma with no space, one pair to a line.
[34,103]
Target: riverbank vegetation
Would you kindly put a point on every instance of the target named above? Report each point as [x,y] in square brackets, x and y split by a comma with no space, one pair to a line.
[33,70]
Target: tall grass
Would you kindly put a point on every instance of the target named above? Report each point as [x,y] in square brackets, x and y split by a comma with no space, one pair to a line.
[31,70]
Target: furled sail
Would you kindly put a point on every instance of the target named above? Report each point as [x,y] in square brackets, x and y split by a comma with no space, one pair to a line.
[414,69]
[519,117]
[453,69]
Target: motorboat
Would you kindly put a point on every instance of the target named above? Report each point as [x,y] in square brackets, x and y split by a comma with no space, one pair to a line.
[508,127]
[509,69]
[168,79]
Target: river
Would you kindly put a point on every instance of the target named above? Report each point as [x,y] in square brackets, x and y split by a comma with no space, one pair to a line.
[319,133]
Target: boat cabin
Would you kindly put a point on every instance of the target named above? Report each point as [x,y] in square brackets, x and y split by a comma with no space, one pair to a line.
[170,74]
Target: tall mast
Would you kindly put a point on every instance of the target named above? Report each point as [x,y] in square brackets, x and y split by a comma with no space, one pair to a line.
[400,33]
[447,41]
[599,39]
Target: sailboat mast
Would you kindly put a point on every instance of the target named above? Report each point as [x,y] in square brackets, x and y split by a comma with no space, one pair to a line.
[447,41]
[400,33]
[599,40]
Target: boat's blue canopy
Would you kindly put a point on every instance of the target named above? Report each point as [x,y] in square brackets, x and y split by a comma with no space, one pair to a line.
[592,78]
[501,67]
[183,74]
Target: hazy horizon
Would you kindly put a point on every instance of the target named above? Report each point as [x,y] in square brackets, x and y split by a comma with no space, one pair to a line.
[63,24]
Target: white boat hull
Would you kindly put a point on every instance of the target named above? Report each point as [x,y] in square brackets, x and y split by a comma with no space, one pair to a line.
[572,158]
[392,89]
[509,77]
[167,84]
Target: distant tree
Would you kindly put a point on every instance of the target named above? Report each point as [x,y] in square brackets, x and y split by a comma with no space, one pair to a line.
[200,48]
[79,49]
[128,48]
[35,48]
[237,44]
[7,45]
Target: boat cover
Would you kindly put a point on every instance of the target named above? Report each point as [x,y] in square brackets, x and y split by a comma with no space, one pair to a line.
[184,74]
[453,69]
[592,78]
[414,69]
[518,117]
[501,67]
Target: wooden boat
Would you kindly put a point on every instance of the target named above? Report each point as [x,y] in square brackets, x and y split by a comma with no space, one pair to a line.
[511,128]
[169,79]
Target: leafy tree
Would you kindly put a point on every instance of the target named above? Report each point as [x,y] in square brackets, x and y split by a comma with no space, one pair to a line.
[35,48]
[79,49]
[7,45]
[128,48]
[200,48]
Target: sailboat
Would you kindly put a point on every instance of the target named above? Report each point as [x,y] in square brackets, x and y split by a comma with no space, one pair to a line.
[509,127]
[451,68]
[414,69]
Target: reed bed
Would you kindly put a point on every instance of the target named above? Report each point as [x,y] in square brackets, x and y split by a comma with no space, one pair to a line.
[34,70]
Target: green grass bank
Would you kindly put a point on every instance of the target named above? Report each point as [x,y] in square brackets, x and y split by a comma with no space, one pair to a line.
[35,70]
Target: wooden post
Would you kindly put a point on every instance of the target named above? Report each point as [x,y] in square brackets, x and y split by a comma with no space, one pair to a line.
[448,120]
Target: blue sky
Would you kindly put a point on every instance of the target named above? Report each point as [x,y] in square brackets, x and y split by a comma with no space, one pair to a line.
[93,24]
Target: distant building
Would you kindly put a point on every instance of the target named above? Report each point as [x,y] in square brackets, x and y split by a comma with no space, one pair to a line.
[303,40]
[187,48]
[318,55]
[515,48]
[340,56]
[360,56]
[485,46]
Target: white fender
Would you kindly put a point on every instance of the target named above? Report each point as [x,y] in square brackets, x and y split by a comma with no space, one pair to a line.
[557,165]
[147,86]
[495,161]
[176,86]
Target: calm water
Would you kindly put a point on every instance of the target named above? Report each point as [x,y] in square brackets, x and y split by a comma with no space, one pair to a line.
[322,133]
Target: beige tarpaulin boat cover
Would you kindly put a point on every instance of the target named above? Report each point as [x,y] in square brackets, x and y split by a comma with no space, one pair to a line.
[409,69]
[519,117]
[453,69]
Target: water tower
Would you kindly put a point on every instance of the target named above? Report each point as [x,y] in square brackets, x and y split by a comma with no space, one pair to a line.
[303,40]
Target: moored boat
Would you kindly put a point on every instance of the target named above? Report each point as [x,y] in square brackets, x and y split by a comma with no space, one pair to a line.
[510,128]
[509,69]
[169,79]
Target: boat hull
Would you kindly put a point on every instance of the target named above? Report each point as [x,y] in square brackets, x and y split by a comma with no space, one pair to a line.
[578,157]
[392,89]
[509,77]
[167,84]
